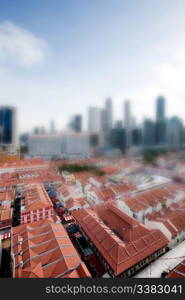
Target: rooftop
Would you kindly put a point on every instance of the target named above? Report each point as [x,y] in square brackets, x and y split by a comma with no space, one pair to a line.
[142,200]
[43,249]
[23,164]
[165,263]
[120,239]
[35,197]
[178,272]
[174,220]
[77,202]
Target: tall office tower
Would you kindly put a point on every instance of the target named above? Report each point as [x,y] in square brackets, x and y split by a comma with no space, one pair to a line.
[52,127]
[109,113]
[103,121]
[134,122]
[42,130]
[127,124]
[118,124]
[8,128]
[175,133]
[160,109]
[36,130]
[148,133]
[161,132]
[137,136]
[94,119]
[118,138]
[107,120]
[76,123]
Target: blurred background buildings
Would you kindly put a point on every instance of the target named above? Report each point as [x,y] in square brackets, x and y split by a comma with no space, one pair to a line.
[104,135]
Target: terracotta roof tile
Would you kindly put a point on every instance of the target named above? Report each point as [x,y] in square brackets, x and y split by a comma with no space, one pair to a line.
[178,272]
[120,254]
[45,255]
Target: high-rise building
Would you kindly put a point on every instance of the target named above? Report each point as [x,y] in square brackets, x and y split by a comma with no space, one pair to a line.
[136,136]
[118,124]
[118,138]
[36,130]
[109,114]
[160,109]
[94,119]
[148,133]
[8,128]
[103,120]
[76,123]
[42,130]
[127,123]
[52,127]
[107,120]
[161,126]
[175,133]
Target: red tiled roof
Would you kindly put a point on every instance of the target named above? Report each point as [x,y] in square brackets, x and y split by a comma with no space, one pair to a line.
[173,220]
[109,170]
[71,202]
[29,176]
[178,272]
[45,251]
[121,188]
[120,239]
[35,197]
[105,194]
[143,200]
[24,163]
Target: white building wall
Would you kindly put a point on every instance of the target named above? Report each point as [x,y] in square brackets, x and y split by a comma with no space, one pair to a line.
[149,210]
[160,226]
[45,146]
[64,145]
[121,205]
[76,145]
[92,198]
[139,215]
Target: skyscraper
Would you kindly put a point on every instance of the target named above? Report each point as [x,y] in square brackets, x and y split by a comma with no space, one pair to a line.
[127,124]
[118,124]
[160,109]
[52,127]
[76,123]
[8,128]
[109,113]
[107,120]
[118,138]
[148,133]
[94,119]
[161,132]
[175,133]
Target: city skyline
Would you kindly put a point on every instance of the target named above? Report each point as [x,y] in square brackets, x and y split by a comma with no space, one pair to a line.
[97,114]
[53,60]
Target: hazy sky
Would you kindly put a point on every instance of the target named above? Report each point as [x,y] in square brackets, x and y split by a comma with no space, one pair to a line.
[57,57]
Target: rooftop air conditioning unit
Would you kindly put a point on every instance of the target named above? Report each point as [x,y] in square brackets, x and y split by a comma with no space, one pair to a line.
[21,264]
[20,252]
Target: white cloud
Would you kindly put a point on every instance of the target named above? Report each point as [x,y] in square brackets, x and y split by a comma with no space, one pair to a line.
[19,46]
[171,75]
[170,79]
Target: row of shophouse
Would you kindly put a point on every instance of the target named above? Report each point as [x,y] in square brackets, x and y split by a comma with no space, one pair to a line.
[127,229]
